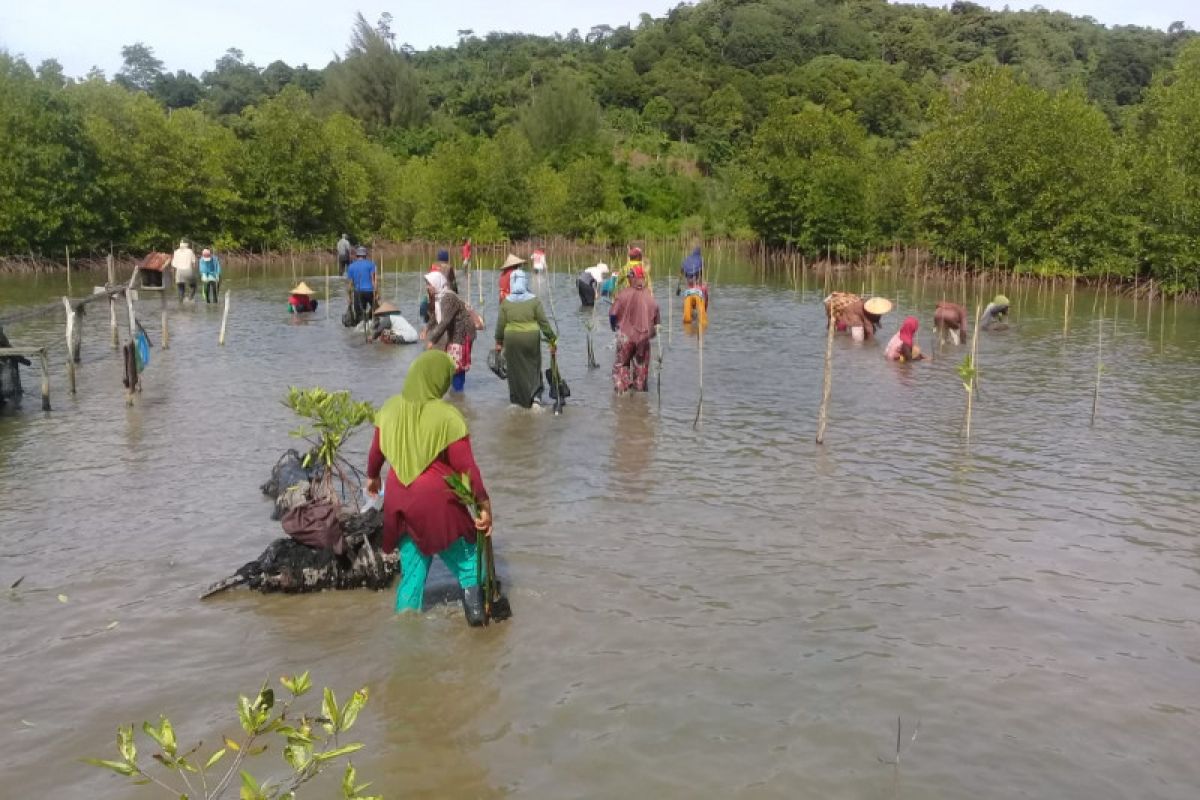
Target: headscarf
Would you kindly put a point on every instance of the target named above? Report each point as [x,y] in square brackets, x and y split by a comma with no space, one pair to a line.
[437,281]
[693,264]
[635,254]
[518,286]
[206,252]
[908,329]
[416,425]
[1000,300]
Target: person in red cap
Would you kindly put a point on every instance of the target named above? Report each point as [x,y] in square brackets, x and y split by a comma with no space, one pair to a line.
[635,317]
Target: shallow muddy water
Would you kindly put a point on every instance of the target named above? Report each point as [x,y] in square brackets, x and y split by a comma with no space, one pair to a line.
[725,612]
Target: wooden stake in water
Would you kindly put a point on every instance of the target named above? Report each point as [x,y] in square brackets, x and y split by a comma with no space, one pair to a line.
[162,303]
[1066,313]
[112,322]
[327,290]
[70,344]
[1099,356]
[974,373]
[700,402]
[69,271]
[224,320]
[826,383]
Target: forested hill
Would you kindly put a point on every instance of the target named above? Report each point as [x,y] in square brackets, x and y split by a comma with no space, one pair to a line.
[1030,137]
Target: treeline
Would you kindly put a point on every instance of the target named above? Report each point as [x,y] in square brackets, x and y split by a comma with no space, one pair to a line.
[1021,138]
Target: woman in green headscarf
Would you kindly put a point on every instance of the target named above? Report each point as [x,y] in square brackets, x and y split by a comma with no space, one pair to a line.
[425,439]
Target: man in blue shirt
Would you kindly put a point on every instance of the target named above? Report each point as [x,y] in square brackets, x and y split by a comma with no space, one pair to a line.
[363,279]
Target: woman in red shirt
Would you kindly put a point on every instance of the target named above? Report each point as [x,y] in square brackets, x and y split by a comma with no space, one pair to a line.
[424,439]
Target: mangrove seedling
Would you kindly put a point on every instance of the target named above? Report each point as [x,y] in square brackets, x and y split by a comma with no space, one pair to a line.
[495,604]
[334,417]
[309,744]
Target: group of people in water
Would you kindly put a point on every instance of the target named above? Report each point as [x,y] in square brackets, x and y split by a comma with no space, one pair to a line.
[849,313]
[424,440]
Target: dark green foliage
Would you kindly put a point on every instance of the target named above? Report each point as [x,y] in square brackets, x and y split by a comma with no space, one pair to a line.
[1032,136]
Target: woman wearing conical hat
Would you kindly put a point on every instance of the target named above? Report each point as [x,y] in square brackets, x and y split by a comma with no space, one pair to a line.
[302,299]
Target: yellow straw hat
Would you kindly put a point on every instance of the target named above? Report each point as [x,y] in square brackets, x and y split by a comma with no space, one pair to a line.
[513,261]
[303,288]
[878,306]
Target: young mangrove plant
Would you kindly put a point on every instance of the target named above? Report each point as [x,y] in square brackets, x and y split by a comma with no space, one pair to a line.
[495,604]
[308,742]
[334,416]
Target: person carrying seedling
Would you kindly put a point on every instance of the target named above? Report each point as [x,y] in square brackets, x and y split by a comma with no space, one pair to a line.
[425,440]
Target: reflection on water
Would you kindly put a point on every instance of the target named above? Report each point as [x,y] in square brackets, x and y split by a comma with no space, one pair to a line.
[729,610]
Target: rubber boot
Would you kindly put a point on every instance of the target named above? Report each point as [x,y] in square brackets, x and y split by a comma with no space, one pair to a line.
[472,603]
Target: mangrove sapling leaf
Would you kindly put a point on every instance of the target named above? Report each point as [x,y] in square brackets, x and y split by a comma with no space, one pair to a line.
[353,706]
[330,711]
[966,373]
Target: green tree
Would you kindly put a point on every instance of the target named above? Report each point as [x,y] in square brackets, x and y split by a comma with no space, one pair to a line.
[1025,170]
[562,119]
[140,68]
[375,82]
[1163,148]
[804,182]
[288,180]
[47,166]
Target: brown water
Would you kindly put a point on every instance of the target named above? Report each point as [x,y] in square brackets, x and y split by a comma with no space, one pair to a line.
[728,612]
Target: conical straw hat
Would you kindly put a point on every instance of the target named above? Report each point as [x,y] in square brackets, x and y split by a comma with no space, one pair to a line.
[303,288]
[386,308]
[878,306]
[512,261]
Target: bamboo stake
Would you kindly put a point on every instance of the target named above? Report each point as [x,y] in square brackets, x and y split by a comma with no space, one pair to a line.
[1066,312]
[1149,306]
[45,364]
[224,319]
[700,403]
[70,344]
[974,372]
[166,336]
[112,322]
[826,383]
[327,290]
[68,270]
[1099,355]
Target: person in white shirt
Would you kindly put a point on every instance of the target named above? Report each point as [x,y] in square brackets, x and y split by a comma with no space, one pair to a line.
[184,264]
[589,283]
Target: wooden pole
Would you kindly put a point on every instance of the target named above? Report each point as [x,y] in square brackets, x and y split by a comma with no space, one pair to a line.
[112,322]
[224,319]
[70,344]
[326,290]
[162,304]
[700,403]
[1099,356]
[827,383]
[974,372]
[132,316]
[112,269]
[68,270]
[45,364]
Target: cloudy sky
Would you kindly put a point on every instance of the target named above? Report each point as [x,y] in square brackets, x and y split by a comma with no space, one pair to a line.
[192,35]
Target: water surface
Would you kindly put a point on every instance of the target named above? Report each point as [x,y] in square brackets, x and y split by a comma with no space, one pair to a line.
[729,611]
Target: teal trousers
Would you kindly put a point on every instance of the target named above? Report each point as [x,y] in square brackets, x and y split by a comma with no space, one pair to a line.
[460,558]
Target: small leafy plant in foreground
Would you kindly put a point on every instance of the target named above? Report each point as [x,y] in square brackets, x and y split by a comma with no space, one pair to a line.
[309,745]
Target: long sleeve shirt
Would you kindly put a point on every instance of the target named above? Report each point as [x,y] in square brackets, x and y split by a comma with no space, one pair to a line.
[427,509]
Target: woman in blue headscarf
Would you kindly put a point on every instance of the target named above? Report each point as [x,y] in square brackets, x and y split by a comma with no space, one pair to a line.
[521,324]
